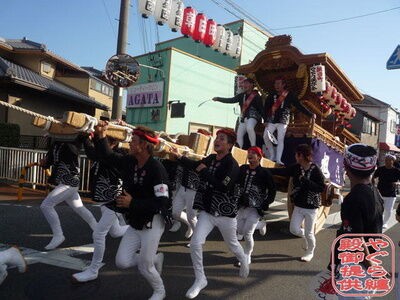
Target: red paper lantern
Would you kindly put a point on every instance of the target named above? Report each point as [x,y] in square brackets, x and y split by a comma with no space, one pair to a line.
[338,102]
[189,21]
[211,33]
[344,107]
[200,28]
[350,114]
[332,96]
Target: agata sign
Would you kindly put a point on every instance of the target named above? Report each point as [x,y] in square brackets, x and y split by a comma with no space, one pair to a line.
[146,95]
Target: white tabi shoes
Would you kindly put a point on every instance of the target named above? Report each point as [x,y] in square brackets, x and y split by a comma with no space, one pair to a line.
[56,241]
[195,289]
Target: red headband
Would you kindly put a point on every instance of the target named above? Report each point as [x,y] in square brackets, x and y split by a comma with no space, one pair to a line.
[143,135]
[256,150]
[228,132]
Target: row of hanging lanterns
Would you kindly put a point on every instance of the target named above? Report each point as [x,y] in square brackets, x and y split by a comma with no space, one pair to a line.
[343,110]
[192,24]
[331,100]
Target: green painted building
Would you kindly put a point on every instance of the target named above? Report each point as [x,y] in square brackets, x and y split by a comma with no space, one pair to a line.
[190,73]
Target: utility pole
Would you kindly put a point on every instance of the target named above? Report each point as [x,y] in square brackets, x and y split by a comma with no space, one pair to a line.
[121,49]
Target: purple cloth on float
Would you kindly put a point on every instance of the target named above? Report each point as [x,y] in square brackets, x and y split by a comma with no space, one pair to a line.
[328,159]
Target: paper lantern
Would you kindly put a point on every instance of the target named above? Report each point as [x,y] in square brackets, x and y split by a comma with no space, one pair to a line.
[317,78]
[327,94]
[228,42]
[211,33]
[331,96]
[325,108]
[219,38]
[146,7]
[162,11]
[350,114]
[344,107]
[200,28]
[188,21]
[338,102]
[176,16]
[237,46]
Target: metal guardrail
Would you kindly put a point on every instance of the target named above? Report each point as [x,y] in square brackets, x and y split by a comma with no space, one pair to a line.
[13,160]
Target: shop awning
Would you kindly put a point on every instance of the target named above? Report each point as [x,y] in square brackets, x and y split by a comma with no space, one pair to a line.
[388,147]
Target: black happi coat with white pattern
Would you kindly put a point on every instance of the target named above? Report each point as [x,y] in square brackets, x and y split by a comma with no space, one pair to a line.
[64,157]
[147,185]
[307,184]
[190,178]
[105,179]
[256,188]
[215,193]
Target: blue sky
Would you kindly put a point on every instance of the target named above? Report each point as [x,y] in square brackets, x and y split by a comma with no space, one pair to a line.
[85,32]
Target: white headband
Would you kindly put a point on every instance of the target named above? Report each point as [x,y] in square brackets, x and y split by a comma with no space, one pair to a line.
[359,163]
[390,156]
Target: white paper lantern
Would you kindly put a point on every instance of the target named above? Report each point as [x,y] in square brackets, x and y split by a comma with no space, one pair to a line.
[162,11]
[220,38]
[236,47]
[228,42]
[317,79]
[146,7]
[176,16]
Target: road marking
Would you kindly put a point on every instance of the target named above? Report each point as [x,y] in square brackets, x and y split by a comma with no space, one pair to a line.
[63,257]
[12,204]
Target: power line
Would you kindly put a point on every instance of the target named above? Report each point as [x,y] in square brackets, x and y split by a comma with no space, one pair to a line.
[247,14]
[226,9]
[339,20]
[109,18]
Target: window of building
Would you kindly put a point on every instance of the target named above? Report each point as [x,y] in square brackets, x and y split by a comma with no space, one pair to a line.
[101,87]
[393,126]
[367,126]
[376,128]
[46,67]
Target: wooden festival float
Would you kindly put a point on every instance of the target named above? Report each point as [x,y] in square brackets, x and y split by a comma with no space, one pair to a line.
[325,90]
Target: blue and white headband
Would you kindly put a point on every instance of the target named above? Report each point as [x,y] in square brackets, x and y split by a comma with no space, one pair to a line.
[357,162]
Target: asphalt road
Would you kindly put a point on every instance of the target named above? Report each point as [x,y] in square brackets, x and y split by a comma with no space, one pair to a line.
[276,271]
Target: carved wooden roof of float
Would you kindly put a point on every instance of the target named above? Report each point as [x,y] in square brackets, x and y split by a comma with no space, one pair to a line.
[280,58]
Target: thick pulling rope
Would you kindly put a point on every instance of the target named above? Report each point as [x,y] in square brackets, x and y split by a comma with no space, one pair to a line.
[92,121]
[29,112]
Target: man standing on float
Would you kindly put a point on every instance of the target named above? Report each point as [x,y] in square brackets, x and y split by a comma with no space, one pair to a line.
[250,111]
[277,115]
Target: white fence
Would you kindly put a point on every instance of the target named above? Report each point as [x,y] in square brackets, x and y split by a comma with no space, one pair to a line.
[12,160]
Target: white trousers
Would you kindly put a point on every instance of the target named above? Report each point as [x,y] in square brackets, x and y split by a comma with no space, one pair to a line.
[308,216]
[227,226]
[281,130]
[388,203]
[70,195]
[247,126]
[247,220]
[108,223]
[145,240]
[184,198]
